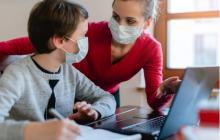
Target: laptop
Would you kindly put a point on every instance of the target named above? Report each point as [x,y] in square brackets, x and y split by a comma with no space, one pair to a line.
[196,85]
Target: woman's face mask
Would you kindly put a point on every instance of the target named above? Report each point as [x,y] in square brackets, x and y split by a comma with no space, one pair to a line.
[124,34]
[82,44]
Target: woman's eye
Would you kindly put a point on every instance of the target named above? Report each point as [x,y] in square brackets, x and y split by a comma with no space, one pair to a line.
[131,22]
[116,17]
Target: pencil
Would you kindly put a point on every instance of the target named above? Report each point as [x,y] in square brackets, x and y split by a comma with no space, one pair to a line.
[56,114]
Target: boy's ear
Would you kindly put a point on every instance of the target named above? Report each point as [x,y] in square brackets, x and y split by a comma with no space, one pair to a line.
[57,41]
[147,23]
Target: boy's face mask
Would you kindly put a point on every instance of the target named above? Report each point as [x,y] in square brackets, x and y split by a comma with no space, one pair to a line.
[124,34]
[82,44]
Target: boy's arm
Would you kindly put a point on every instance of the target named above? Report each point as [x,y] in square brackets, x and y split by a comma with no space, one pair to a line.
[101,100]
[18,46]
[11,86]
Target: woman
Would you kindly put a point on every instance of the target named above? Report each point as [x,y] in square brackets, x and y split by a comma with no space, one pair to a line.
[118,49]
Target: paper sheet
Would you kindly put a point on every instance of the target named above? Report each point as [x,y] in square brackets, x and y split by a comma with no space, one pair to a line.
[88,133]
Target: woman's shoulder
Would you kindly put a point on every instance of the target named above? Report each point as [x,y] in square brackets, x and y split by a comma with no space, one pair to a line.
[148,40]
[147,44]
[100,24]
[97,27]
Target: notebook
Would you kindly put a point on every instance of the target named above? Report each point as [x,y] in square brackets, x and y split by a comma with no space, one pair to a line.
[89,133]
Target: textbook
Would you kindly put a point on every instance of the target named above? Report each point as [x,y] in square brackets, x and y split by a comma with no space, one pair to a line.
[89,133]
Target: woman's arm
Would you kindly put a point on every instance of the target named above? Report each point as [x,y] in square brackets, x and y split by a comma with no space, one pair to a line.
[153,79]
[18,46]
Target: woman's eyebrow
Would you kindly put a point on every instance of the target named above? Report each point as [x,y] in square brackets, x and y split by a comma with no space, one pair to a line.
[115,13]
[131,18]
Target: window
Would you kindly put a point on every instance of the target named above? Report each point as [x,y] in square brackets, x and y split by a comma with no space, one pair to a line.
[192,42]
[183,6]
[189,31]
[205,50]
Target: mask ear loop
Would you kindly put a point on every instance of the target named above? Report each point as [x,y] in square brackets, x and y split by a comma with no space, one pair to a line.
[73,41]
[68,38]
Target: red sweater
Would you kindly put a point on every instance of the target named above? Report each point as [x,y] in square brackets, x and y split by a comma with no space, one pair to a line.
[146,53]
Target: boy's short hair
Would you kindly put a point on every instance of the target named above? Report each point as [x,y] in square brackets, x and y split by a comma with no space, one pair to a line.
[53,17]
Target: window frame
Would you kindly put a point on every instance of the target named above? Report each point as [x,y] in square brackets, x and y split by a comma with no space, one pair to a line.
[161,31]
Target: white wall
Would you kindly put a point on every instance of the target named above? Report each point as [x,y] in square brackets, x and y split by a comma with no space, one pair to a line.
[14,15]
[98,9]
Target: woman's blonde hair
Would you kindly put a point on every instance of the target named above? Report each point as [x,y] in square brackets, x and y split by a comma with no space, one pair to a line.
[150,8]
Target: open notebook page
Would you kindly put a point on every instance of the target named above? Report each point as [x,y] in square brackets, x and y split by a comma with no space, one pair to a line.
[88,133]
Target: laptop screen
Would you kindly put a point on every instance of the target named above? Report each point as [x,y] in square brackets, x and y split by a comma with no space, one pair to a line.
[196,85]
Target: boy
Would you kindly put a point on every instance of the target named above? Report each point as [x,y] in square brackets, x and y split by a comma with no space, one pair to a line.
[30,87]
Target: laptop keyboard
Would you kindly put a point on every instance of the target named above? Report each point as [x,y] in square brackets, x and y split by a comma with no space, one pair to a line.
[150,126]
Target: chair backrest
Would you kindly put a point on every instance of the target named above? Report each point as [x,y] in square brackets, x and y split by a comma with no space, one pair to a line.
[6,60]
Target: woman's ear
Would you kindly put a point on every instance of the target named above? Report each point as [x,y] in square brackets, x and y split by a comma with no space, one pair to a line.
[57,41]
[147,23]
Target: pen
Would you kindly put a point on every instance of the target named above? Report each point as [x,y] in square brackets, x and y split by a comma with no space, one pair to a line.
[56,114]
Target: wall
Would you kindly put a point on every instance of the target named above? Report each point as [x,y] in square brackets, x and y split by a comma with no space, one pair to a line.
[98,9]
[14,15]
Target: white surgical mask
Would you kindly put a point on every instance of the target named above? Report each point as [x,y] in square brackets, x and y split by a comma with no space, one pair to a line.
[82,44]
[124,34]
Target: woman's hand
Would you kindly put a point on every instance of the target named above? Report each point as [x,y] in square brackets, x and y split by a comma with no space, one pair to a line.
[51,130]
[168,86]
[84,112]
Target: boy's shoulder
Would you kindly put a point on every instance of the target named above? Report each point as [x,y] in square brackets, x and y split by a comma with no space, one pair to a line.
[22,60]
[18,64]
[73,71]
[70,68]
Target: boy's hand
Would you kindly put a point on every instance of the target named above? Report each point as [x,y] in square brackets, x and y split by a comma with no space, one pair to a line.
[84,112]
[52,130]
